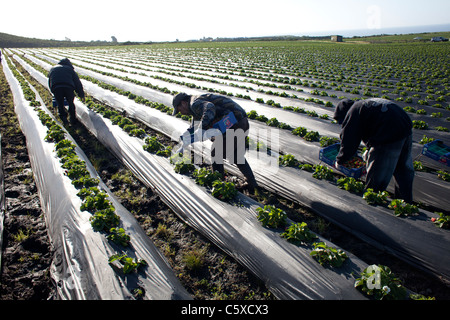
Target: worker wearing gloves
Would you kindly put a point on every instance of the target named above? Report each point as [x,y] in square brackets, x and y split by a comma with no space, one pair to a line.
[386,130]
[63,81]
[217,117]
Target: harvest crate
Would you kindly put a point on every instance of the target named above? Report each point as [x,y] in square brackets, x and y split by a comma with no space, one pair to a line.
[328,155]
[438,151]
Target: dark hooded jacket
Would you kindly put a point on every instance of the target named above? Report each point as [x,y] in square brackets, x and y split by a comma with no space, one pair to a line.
[64,75]
[208,108]
[373,121]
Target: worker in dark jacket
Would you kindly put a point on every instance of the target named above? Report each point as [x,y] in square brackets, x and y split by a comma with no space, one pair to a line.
[208,111]
[62,81]
[386,130]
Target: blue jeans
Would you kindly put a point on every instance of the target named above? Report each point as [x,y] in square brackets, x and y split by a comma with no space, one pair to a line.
[393,159]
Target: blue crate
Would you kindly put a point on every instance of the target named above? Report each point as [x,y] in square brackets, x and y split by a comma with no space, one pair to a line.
[438,151]
[329,154]
[225,123]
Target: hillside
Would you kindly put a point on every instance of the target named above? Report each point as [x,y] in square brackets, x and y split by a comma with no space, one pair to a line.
[12,41]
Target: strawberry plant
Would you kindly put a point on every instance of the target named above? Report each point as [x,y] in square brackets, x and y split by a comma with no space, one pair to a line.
[184,167]
[64,144]
[380,283]
[375,197]
[351,184]
[287,160]
[311,136]
[307,167]
[418,166]
[128,264]
[426,140]
[85,192]
[298,233]
[273,122]
[299,131]
[441,128]
[224,191]
[252,114]
[77,171]
[285,126]
[262,118]
[323,172]
[71,162]
[271,216]
[118,236]
[96,202]
[85,181]
[137,132]
[205,177]
[65,148]
[419,124]
[327,141]
[104,220]
[325,254]
[443,221]
[55,134]
[444,175]
[402,208]
[166,152]
[183,164]
[152,145]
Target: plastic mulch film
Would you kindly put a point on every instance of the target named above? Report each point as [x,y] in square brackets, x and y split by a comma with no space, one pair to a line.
[428,188]
[2,202]
[288,270]
[406,238]
[80,266]
[292,118]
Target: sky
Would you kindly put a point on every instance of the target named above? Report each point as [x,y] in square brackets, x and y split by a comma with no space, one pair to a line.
[171,20]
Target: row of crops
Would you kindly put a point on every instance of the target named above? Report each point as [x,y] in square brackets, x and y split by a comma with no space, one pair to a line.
[297,100]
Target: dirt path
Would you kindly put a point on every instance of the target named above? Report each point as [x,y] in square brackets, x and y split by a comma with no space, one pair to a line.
[26,252]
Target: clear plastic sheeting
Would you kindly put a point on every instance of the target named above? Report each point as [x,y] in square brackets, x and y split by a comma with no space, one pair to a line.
[407,238]
[288,270]
[80,266]
[428,189]
[289,117]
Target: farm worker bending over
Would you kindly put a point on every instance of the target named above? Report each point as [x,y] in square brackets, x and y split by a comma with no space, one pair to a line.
[386,130]
[224,122]
[62,81]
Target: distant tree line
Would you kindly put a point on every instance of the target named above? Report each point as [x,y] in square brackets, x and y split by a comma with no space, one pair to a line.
[11,41]
[267,38]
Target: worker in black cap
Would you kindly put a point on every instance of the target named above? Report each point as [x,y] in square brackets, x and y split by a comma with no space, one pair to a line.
[63,81]
[222,117]
[386,130]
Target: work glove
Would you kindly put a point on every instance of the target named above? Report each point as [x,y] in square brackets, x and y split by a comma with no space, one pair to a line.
[365,155]
[187,137]
[180,150]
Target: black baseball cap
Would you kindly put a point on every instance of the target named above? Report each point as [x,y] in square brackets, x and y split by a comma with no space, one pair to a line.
[177,100]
